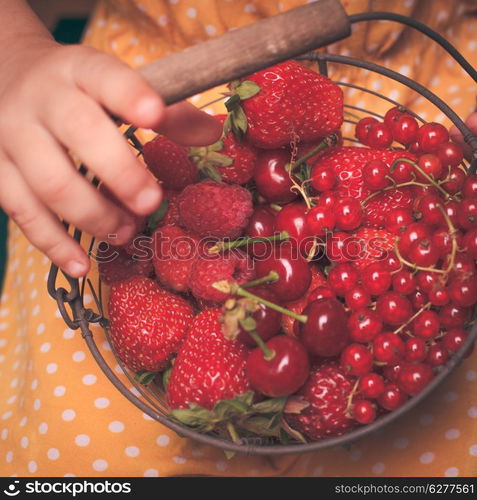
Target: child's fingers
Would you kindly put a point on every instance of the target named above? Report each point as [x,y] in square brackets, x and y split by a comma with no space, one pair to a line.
[187,125]
[83,127]
[38,224]
[456,135]
[120,89]
[56,183]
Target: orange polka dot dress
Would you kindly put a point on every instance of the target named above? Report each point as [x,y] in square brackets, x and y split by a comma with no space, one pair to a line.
[60,416]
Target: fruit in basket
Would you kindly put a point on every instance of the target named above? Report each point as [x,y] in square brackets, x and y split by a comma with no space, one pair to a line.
[148,324]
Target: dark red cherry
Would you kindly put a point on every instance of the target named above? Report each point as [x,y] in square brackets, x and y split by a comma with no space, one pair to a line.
[261,223]
[325,332]
[292,219]
[283,371]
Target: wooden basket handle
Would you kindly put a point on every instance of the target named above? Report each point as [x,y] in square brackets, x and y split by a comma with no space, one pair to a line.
[245,50]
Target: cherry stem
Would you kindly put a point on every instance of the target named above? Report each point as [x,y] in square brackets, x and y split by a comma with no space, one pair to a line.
[412,318]
[228,245]
[268,353]
[328,141]
[238,290]
[271,277]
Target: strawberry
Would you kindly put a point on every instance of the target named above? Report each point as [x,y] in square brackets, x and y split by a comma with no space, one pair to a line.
[148,324]
[284,103]
[170,163]
[229,159]
[120,263]
[175,251]
[348,163]
[327,391]
[376,208]
[297,306]
[375,245]
[209,367]
[172,213]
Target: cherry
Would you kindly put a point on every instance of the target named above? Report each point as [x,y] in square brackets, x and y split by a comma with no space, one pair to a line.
[469,189]
[292,219]
[415,350]
[357,298]
[453,316]
[375,174]
[426,325]
[356,359]
[371,385]
[467,215]
[412,378]
[268,321]
[437,355]
[320,220]
[364,412]
[393,114]
[398,219]
[261,223]
[431,165]
[321,292]
[323,178]
[404,129]
[325,332]
[379,136]
[388,348]
[392,397]
[404,282]
[343,247]
[349,213]
[362,128]
[272,179]
[393,308]
[364,325]
[279,370]
[470,243]
[415,231]
[293,271]
[342,278]
[376,278]
[432,135]
[429,209]
[423,253]
[453,339]
[463,293]
[455,182]
[403,172]
[450,154]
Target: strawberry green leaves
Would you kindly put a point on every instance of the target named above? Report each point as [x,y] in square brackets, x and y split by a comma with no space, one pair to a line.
[236,120]
[208,157]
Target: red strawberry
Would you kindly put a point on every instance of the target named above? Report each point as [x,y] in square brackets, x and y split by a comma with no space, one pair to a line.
[377,207]
[172,213]
[327,390]
[148,324]
[285,103]
[170,163]
[375,244]
[209,367]
[117,264]
[297,306]
[175,251]
[348,163]
[230,158]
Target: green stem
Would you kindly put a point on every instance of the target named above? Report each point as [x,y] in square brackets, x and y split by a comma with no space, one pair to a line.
[327,142]
[228,245]
[271,277]
[233,432]
[268,353]
[245,293]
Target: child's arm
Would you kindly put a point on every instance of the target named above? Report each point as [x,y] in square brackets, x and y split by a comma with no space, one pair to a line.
[53,100]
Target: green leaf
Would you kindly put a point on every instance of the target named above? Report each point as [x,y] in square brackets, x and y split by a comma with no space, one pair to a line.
[273,405]
[240,119]
[246,397]
[157,216]
[166,376]
[145,377]
[219,159]
[247,89]
[217,146]
[212,173]
[195,416]
[227,125]
[298,436]
[229,408]
[261,426]
[232,102]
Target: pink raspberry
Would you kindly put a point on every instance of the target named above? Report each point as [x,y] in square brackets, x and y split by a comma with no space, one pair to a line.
[212,208]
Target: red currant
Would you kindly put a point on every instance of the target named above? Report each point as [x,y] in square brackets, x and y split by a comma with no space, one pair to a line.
[469,189]
[323,178]
[404,282]
[379,136]
[356,359]
[375,174]
[342,278]
[321,292]
[362,128]
[450,154]
[453,339]
[371,385]
[392,397]
[455,182]
[403,172]
[437,355]
[413,378]
[320,220]
[393,114]
[453,316]
[429,208]
[364,412]
[416,350]
[393,308]
[357,298]
[432,135]
[463,293]
[376,278]
[364,325]
[426,325]
[349,213]
[467,215]
[431,165]
[415,231]
[388,348]
[423,253]
[398,219]
[470,243]
[418,299]
[404,129]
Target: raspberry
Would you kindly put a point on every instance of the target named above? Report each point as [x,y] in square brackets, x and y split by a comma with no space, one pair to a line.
[212,208]
[206,270]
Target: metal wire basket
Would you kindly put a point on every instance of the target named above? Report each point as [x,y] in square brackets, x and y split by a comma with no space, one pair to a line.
[150,399]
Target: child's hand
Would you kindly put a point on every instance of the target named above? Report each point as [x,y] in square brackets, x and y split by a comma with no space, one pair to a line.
[456,135]
[53,100]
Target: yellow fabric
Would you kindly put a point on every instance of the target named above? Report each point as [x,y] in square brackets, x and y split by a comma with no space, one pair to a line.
[59,415]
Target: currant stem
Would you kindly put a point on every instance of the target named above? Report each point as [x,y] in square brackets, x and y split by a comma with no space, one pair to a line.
[452,233]
[271,277]
[388,188]
[228,245]
[349,403]
[412,318]
[245,293]
[413,266]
